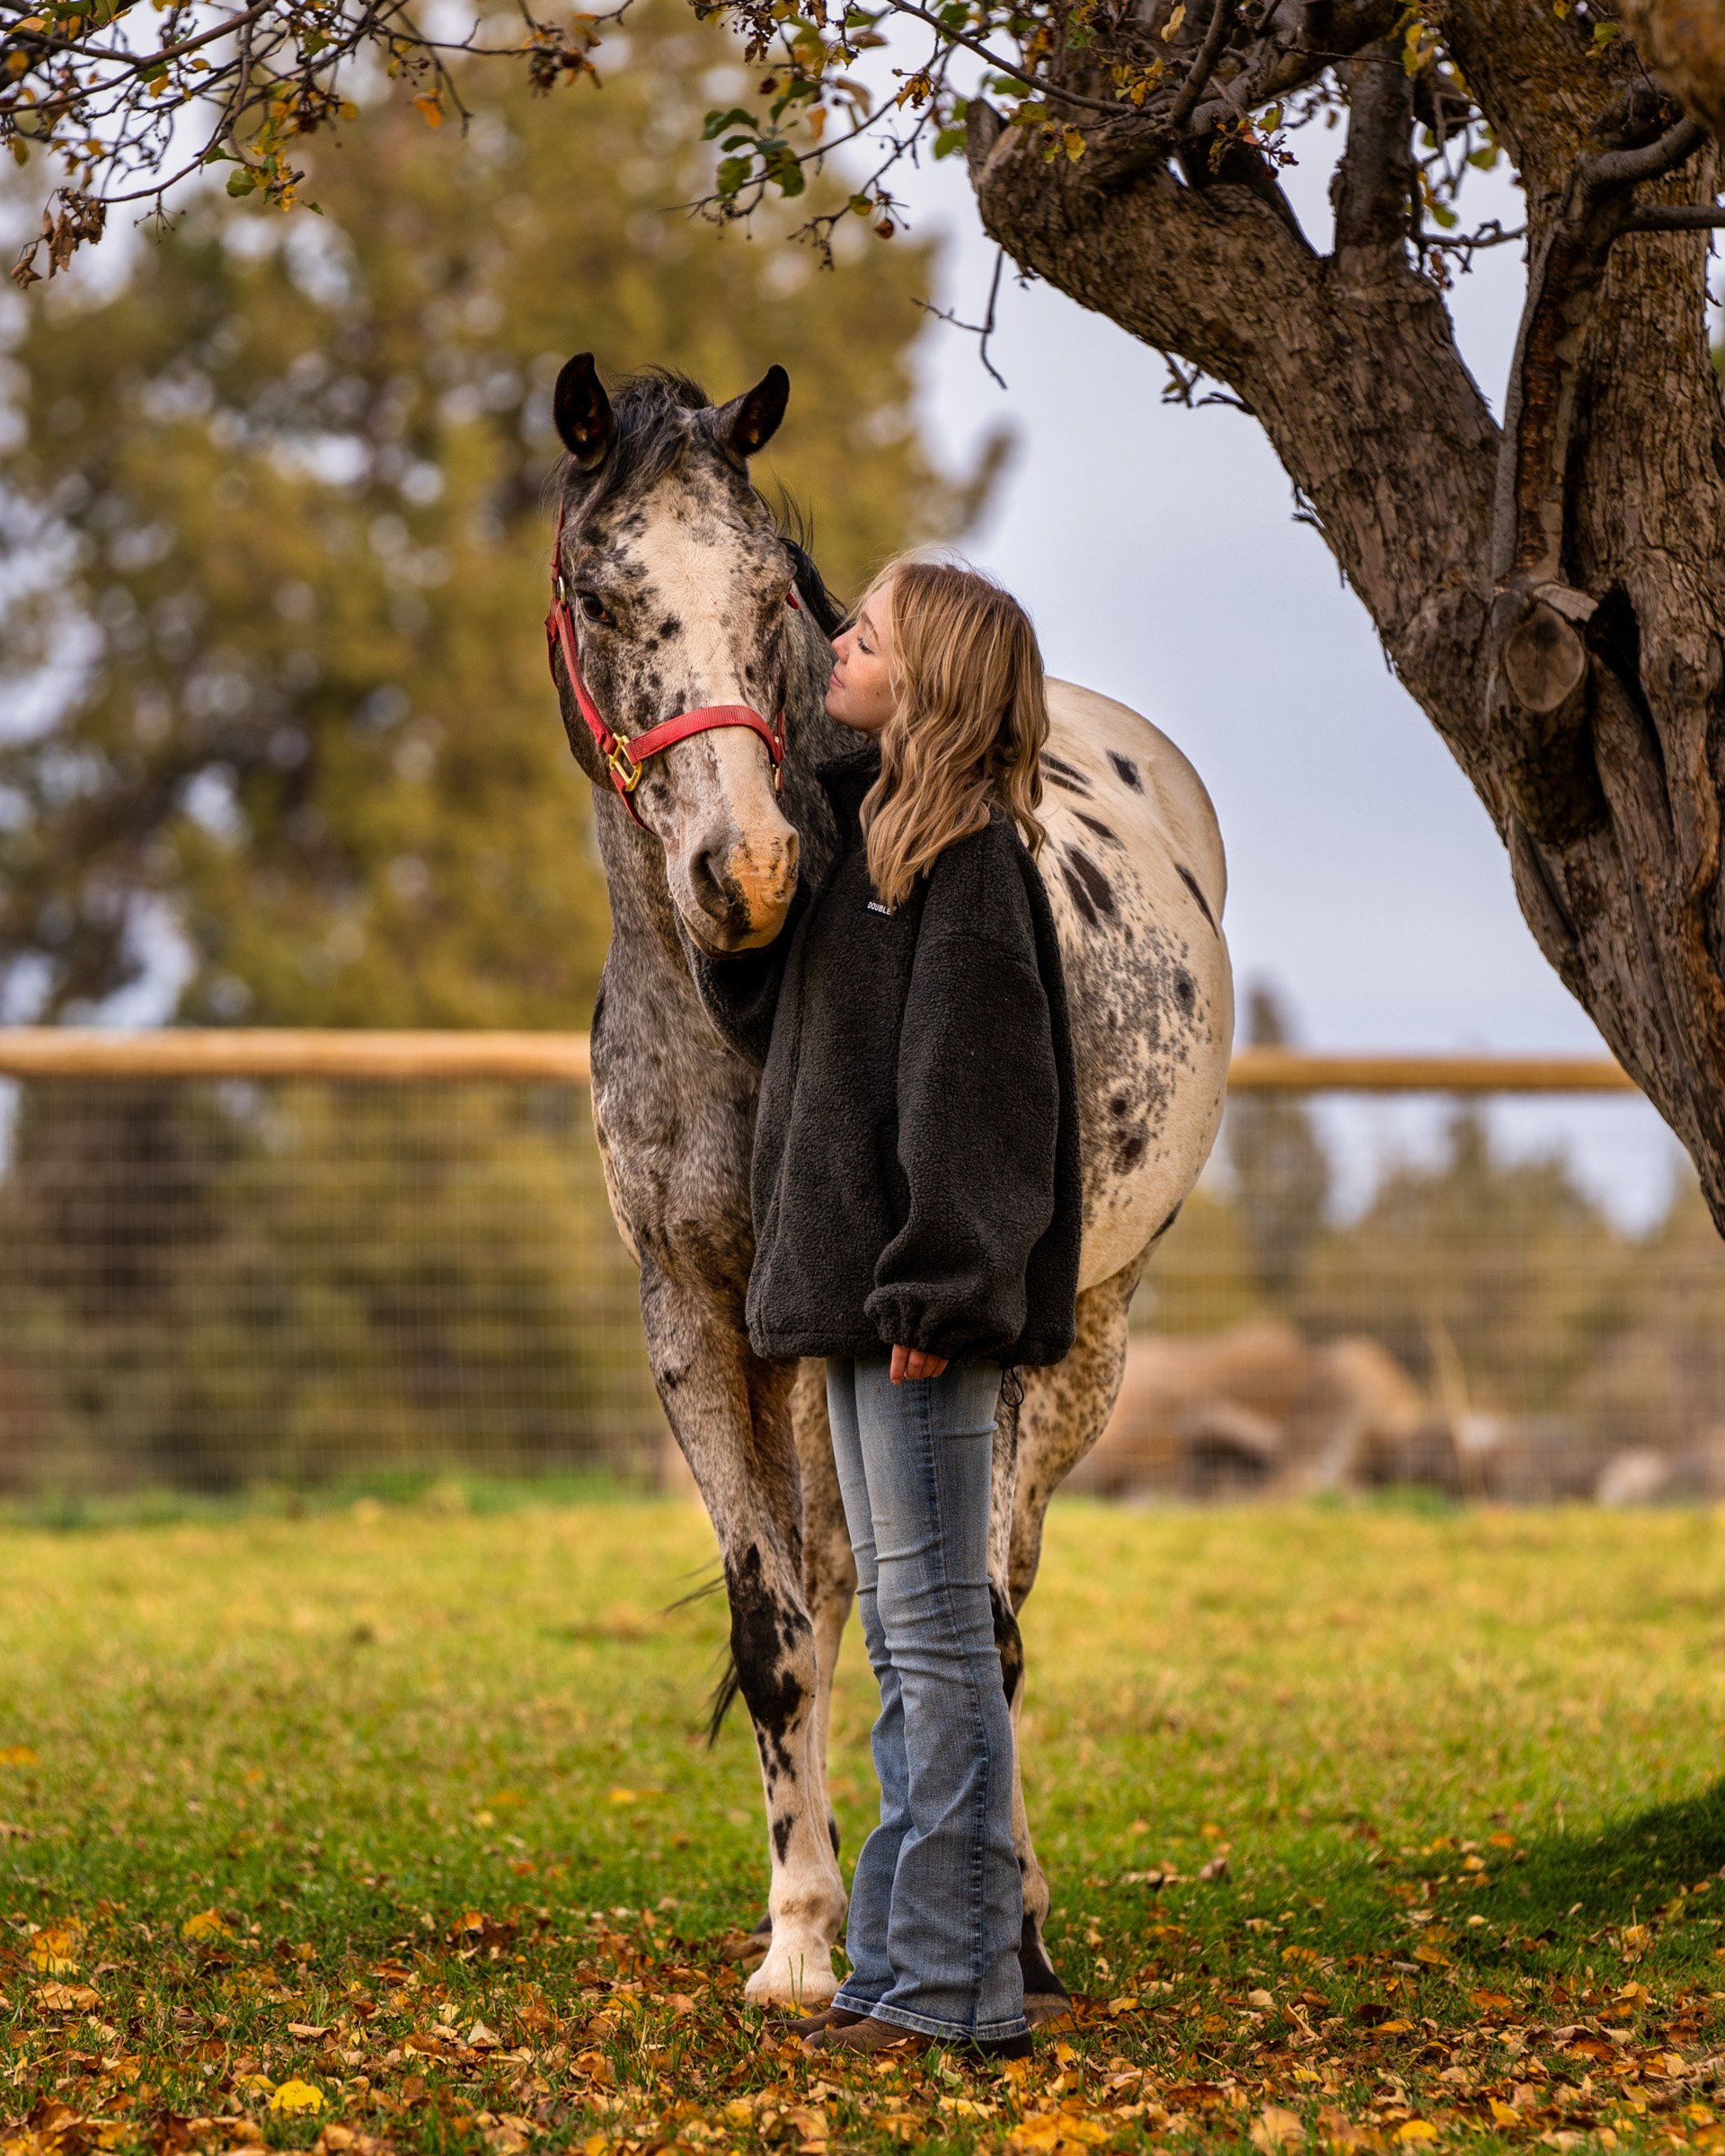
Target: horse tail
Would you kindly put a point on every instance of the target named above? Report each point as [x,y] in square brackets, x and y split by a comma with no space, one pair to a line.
[724,1693]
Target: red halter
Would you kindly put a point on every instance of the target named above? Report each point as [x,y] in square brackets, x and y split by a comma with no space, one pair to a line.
[624,757]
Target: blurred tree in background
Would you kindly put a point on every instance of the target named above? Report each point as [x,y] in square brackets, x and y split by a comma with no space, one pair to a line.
[275,539]
[1279,1172]
[274,535]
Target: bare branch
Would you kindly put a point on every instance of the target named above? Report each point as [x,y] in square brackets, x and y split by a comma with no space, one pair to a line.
[1614,169]
[985,329]
[1040,85]
[1375,182]
[1677,216]
[1203,66]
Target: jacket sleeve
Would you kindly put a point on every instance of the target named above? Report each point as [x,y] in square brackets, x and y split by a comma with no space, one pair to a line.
[741,993]
[978,1097]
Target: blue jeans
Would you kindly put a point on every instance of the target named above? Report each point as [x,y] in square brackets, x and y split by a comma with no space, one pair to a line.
[936,1904]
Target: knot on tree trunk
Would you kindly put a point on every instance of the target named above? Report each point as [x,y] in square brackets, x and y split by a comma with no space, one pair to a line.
[1541,697]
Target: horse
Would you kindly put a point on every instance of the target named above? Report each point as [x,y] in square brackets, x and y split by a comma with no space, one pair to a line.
[689,644]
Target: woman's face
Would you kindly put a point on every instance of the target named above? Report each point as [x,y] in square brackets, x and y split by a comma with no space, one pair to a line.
[859,692]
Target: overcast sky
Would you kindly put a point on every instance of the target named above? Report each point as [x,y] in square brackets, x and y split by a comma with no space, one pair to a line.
[1157,551]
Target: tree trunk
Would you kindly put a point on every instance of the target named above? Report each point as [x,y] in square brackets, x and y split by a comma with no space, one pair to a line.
[1552,593]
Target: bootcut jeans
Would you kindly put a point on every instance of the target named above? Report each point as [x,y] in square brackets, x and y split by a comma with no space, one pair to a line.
[936,1903]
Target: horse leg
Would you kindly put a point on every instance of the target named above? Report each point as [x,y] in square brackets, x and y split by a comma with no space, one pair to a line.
[828,1568]
[1064,1411]
[731,1416]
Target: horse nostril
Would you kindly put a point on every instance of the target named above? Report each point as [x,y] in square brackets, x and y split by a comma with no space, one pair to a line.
[706,875]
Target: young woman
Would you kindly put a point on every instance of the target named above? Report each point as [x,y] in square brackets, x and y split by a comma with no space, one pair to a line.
[916,1213]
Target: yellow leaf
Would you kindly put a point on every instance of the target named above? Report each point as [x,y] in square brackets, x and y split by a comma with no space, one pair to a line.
[432,106]
[255,2084]
[1505,2114]
[1275,2128]
[1039,2132]
[55,1948]
[1074,144]
[1434,1958]
[208,1923]
[297,2096]
[1416,2129]
[1170,29]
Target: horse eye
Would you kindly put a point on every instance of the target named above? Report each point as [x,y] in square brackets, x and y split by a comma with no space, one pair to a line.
[593,606]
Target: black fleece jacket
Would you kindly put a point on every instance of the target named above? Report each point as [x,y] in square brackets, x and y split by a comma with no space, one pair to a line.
[916,1173]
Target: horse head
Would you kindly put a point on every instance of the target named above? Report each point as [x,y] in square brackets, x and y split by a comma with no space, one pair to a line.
[683,595]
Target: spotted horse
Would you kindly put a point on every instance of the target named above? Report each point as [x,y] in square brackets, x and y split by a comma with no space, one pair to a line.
[689,644]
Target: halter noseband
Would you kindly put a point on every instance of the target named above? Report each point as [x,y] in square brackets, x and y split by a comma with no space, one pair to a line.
[624,757]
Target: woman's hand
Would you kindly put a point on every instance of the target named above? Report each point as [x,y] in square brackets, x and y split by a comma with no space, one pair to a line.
[911,1362]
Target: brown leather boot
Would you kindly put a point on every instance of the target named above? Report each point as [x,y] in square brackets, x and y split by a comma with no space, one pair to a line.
[864,2035]
[831,2017]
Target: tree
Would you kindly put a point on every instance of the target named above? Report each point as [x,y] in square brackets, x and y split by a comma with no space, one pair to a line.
[282,491]
[1277,1163]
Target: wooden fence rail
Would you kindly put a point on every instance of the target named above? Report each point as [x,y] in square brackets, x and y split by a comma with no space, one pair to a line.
[403,1057]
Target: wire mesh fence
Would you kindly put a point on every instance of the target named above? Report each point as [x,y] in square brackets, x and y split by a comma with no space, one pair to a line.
[214,1284]
[227,1263]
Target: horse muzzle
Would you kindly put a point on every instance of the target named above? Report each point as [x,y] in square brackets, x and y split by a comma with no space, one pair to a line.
[742,887]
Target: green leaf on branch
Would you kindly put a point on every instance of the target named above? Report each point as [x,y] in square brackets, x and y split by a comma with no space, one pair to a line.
[717,122]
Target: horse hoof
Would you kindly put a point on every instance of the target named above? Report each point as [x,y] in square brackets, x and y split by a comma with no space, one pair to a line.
[803,1980]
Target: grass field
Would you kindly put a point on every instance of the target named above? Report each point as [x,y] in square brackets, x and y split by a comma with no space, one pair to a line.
[392,1828]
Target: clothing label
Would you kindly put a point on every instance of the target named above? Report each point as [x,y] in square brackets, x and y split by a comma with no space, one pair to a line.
[875,906]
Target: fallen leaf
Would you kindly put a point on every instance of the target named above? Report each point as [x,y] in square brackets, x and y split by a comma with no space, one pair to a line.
[481,2038]
[208,1923]
[295,2096]
[308,2028]
[19,1755]
[56,1948]
[1275,2128]
[1217,1868]
[1434,1958]
[1416,2129]
[67,1998]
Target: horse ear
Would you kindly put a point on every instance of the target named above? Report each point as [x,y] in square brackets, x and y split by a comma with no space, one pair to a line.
[582,412]
[749,423]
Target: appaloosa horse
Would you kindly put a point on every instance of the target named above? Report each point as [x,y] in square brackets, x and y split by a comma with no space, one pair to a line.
[689,641]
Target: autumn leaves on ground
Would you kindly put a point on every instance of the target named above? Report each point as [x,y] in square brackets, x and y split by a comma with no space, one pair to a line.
[391,1829]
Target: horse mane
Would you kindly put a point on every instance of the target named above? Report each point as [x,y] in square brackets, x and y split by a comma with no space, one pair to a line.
[650,410]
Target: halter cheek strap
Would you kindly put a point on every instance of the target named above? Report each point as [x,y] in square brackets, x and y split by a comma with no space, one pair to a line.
[624,757]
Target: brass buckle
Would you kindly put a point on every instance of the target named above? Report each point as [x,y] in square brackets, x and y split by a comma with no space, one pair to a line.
[624,769]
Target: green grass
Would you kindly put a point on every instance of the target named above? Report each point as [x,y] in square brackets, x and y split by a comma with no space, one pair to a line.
[418,1767]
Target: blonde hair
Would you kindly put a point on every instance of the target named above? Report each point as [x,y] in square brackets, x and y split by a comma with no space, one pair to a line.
[969,719]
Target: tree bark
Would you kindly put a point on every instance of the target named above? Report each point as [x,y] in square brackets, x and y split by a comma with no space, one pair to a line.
[1552,593]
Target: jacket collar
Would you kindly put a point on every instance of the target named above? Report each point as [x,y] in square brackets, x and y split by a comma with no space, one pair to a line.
[846,778]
